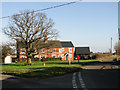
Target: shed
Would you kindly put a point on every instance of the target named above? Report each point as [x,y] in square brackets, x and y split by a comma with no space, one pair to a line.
[8,59]
[82,51]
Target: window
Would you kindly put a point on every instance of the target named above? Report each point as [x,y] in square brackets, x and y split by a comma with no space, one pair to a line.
[53,50]
[23,51]
[36,56]
[22,56]
[70,50]
[62,55]
[35,50]
[42,56]
[60,51]
[42,50]
[54,56]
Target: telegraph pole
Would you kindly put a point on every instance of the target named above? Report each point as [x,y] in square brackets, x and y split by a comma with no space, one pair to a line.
[111,45]
[118,43]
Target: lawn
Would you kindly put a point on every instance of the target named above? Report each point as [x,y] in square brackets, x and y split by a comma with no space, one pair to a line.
[43,69]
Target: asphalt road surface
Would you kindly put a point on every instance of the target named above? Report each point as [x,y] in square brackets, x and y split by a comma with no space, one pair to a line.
[90,77]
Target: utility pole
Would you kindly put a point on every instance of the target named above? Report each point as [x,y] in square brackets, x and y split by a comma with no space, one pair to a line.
[111,45]
[118,40]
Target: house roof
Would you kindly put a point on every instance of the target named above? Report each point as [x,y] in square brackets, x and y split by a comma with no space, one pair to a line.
[66,44]
[82,50]
[50,44]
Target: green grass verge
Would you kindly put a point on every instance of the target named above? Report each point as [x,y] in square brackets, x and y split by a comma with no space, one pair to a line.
[37,69]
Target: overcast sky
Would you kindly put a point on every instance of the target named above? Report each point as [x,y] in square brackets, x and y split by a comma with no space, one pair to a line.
[84,23]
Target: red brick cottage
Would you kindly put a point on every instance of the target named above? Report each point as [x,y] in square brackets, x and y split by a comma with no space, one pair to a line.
[60,49]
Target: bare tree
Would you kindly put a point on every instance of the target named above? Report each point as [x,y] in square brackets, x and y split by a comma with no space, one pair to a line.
[29,27]
[48,44]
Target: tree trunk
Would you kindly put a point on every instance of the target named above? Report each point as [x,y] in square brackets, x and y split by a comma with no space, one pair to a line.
[28,52]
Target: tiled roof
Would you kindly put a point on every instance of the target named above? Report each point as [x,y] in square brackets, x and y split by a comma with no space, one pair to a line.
[50,44]
[82,50]
[66,44]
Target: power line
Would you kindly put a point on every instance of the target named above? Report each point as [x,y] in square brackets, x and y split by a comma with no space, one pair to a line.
[45,8]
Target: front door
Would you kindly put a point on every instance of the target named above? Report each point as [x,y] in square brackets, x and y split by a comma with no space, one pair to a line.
[66,57]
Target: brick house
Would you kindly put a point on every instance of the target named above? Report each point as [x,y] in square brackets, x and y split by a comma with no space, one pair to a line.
[55,49]
[62,49]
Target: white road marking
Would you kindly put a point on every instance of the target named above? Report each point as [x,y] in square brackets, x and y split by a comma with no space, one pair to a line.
[74,81]
[81,81]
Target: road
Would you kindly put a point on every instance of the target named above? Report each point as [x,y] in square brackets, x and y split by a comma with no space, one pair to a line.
[92,76]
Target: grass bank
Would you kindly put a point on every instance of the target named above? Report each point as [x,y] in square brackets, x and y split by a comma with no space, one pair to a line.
[43,69]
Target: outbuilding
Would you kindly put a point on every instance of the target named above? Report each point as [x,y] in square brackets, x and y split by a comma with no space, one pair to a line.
[82,52]
[8,59]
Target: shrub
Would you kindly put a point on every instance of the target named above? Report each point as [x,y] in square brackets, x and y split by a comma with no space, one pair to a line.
[51,59]
[23,59]
[35,59]
[2,60]
[14,59]
[44,59]
[93,57]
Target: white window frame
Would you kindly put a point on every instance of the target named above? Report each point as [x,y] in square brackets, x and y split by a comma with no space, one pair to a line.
[36,56]
[22,56]
[53,50]
[22,51]
[59,56]
[60,51]
[53,56]
[42,56]
[70,50]
[62,55]
[42,50]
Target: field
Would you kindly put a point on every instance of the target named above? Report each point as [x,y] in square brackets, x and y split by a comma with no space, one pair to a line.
[43,69]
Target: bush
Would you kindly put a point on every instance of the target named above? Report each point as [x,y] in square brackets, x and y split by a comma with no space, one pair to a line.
[51,59]
[14,59]
[44,59]
[93,57]
[2,60]
[35,59]
[82,57]
[23,59]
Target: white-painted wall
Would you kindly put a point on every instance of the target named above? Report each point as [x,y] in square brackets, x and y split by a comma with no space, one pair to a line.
[8,59]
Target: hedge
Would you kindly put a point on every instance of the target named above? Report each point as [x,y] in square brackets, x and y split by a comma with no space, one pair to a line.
[44,59]
[51,59]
